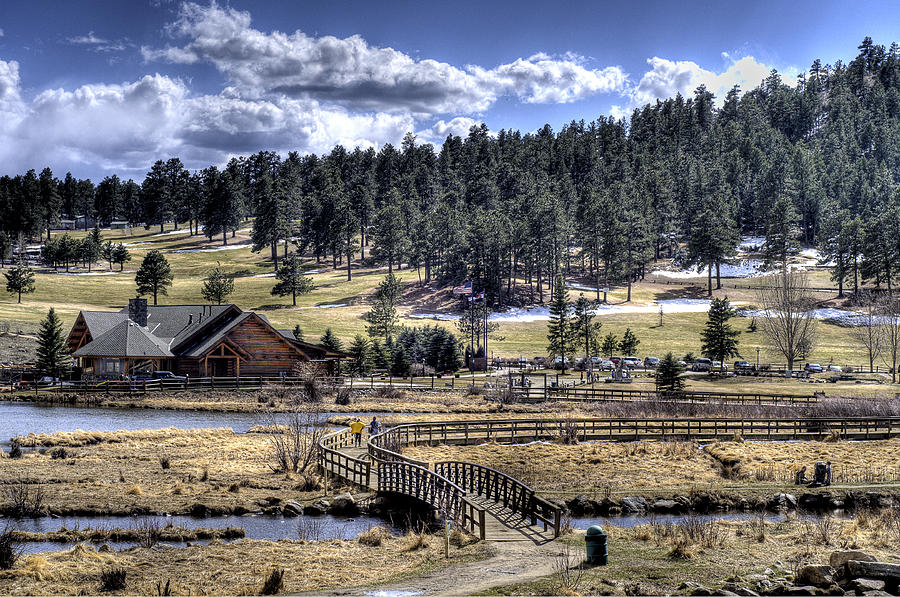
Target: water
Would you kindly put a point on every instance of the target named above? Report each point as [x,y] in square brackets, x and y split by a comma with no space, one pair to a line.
[628,522]
[21,418]
[258,527]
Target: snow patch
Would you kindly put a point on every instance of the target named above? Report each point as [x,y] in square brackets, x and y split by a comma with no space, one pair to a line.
[839,316]
[751,244]
[334,306]
[530,314]
[746,268]
[212,249]
[87,273]
[269,275]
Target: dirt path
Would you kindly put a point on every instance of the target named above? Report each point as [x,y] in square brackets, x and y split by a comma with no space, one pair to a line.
[512,562]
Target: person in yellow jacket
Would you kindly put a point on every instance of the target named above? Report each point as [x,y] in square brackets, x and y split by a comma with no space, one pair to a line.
[356,428]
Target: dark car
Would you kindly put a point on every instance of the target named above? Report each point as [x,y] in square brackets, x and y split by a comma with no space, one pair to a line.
[742,366]
[702,365]
[160,375]
[651,362]
[813,368]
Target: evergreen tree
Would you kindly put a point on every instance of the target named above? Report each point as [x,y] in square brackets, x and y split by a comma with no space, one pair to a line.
[668,375]
[120,255]
[586,329]
[331,342]
[88,251]
[52,352]
[360,355]
[562,331]
[217,286]
[610,344]
[19,280]
[719,339]
[400,363]
[154,276]
[629,343]
[298,333]
[382,317]
[291,280]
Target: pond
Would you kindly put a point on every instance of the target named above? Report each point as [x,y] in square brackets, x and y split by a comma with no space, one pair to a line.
[272,528]
[21,418]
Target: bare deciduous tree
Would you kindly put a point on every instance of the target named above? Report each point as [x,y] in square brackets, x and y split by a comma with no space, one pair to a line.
[295,439]
[889,330]
[865,329]
[788,322]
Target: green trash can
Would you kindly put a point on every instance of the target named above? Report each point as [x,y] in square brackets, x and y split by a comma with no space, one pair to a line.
[595,546]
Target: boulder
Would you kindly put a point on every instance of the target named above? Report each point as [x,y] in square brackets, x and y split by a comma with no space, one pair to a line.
[801,590]
[666,506]
[633,504]
[292,508]
[580,505]
[344,505]
[702,591]
[745,592]
[317,509]
[889,573]
[782,501]
[725,592]
[861,585]
[841,557]
[815,574]
[815,501]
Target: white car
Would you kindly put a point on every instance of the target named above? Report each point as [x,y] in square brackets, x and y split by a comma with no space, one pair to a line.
[632,362]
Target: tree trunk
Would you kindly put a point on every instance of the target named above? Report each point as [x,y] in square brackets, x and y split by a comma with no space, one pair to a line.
[349,256]
[718,276]
[294,297]
[709,279]
[162,227]
[224,237]
[274,248]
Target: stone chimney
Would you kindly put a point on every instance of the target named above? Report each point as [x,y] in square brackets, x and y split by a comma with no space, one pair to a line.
[137,311]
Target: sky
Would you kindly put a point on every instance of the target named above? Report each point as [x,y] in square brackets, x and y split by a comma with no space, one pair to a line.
[98,87]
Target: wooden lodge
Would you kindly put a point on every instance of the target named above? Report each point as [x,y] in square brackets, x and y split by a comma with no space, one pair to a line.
[190,340]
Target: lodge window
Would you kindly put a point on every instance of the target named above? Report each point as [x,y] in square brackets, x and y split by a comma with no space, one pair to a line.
[108,366]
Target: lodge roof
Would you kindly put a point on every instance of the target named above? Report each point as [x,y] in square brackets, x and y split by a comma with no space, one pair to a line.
[126,339]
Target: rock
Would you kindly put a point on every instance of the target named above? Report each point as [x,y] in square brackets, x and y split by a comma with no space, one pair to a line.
[816,574]
[875,593]
[801,590]
[272,511]
[702,591]
[783,501]
[725,592]
[634,504]
[861,585]
[666,506]
[292,508]
[580,505]
[745,592]
[769,572]
[199,510]
[344,505]
[839,558]
[889,573]
[815,501]
[317,509]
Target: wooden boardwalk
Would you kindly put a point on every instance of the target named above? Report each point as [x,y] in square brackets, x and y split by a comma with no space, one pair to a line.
[487,503]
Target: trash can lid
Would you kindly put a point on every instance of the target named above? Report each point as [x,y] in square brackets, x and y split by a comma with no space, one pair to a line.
[594,531]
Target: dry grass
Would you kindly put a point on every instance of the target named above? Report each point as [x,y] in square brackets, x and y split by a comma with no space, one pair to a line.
[601,465]
[852,462]
[118,472]
[226,569]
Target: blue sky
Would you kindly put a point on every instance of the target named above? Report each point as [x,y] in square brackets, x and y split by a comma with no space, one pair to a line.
[102,86]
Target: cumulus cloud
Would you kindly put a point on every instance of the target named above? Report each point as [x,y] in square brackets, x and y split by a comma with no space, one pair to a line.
[88,40]
[669,77]
[354,73]
[458,126]
[125,127]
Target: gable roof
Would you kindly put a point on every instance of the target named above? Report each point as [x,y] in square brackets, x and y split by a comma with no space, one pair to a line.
[210,342]
[126,339]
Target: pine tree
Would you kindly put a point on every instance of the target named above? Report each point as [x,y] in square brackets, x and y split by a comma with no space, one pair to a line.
[298,333]
[217,286]
[154,276]
[610,344]
[562,332]
[587,330]
[360,355]
[52,352]
[629,343]
[719,339]
[400,363]
[20,280]
[120,255]
[291,280]
[331,342]
[382,317]
[668,375]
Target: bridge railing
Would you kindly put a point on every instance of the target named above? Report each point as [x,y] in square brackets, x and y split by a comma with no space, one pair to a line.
[520,430]
[332,461]
[503,489]
[386,446]
[605,394]
[434,489]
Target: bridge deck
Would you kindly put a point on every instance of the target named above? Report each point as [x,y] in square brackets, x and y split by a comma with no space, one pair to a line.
[501,524]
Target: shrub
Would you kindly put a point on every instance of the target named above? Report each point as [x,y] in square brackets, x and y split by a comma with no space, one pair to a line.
[24,500]
[417,540]
[59,453]
[148,531]
[15,450]
[204,476]
[164,462]
[274,583]
[9,550]
[568,570]
[343,397]
[681,549]
[135,490]
[113,579]
[374,537]
[163,590]
[308,482]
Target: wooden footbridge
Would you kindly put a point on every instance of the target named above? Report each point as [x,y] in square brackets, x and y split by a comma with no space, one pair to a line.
[496,506]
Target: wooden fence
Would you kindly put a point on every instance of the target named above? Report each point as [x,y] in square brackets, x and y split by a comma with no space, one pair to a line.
[604,394]
[332,461]
[143,386]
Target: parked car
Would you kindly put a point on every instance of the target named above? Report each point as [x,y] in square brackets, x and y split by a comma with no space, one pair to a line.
[632,362]
[160,375]
[47,381]
[558,362]
[606,365]
[681,364]
[835,368]
[651,362]
[719,366]
[615,360]
[742,366]
[813,368]
[702,364]
[595,361]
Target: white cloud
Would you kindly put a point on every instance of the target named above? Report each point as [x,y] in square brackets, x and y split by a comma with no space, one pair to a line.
[353,73]
[458,127]
[1,33]
[89,40]
[668,77]
[11,105]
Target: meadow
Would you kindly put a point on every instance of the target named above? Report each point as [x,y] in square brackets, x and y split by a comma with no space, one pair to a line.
[339,304]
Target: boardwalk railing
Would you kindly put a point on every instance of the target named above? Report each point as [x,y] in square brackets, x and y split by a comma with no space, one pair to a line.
[433,489]
[333,461]
[143,386]
[503,489]
[523,430]
[604,394]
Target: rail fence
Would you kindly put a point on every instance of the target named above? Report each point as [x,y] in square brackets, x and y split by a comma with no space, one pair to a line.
[332,461]
[603,394]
